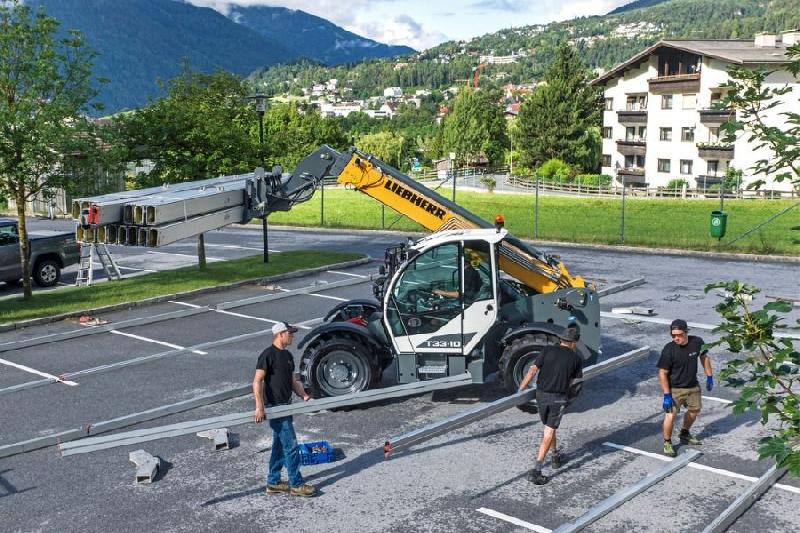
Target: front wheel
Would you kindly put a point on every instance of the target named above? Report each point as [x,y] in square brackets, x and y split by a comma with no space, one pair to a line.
[337,366]
[46,273]
[518,357]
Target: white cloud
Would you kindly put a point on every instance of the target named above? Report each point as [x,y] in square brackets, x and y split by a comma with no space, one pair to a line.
[400,30]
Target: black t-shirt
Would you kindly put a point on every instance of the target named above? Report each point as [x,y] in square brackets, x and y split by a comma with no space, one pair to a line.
[472,284]
[558,366]
[279,366]
[681,362]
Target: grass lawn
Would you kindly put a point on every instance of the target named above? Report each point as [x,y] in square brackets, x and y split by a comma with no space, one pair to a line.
[664,223]
[160,283]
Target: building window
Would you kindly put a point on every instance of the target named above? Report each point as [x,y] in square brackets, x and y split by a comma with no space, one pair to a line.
[634,134]
[713,168]
[665,134]
[666,101]
[663,165]
[716,99]
[689,101]
[609,104]
[607,133]
[686,166]
[606,160]
[636,103]
[687,134]
[713,135]
[630,161]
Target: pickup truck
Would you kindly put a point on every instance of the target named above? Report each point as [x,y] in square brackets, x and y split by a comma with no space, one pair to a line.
[50,252]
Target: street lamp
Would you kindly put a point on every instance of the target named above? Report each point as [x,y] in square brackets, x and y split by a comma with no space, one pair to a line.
[260,101]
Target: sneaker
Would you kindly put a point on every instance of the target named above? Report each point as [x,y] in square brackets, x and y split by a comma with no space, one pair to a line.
[280,487]
[536,477]
[559,460]
[668,449]
[304,490]
[688,438]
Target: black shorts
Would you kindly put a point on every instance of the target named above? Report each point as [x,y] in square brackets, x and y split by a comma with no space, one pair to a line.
[551,406]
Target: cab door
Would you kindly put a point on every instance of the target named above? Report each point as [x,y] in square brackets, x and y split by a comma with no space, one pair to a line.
[479,292]
[10,268]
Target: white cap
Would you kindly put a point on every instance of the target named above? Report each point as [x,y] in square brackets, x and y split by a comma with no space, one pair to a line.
[280,327]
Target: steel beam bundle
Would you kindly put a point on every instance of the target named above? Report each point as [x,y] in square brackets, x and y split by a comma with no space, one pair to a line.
[168,233]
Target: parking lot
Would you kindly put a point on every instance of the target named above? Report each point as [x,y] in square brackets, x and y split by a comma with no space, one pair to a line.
[472,479]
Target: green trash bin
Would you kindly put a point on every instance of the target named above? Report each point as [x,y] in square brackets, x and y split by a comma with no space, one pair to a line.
[719,221]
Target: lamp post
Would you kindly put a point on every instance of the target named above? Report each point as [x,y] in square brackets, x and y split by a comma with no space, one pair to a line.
[260,101]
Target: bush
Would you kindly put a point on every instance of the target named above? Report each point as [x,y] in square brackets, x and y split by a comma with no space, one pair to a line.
[521,170]
[595,180]
[489,181]
[677,184]
[554,170]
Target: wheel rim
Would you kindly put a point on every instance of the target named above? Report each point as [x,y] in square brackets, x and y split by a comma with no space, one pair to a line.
[341,372]
[523,364]
[48,273]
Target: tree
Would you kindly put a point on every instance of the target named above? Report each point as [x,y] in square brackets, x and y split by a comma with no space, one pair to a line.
[560,119]
[45,93]
[766,119]
[765,369]
[386,146]
[475,128]
[292,134]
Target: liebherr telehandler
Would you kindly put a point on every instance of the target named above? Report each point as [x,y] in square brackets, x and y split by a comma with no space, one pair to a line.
[470,297]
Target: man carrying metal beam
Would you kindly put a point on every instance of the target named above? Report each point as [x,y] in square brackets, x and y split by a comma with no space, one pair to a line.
[558,368]
[276,368]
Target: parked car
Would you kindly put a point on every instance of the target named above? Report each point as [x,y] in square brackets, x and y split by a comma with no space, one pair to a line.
[51,251]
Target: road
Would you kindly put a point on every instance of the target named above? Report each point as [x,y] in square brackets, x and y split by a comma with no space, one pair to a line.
[472,479]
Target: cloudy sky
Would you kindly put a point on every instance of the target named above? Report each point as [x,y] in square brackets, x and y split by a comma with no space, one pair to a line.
[425,23]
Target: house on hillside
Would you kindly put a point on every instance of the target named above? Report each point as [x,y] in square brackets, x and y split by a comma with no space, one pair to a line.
[660,121]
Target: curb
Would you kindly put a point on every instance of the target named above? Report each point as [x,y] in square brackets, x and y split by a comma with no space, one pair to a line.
[195,292]
[756,258]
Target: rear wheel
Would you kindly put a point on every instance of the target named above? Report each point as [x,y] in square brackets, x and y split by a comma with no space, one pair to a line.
[46,273]
[518,357]
[337,366]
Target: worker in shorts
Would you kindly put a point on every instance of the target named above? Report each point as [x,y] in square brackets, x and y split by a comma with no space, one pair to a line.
[558,367]
[677,375]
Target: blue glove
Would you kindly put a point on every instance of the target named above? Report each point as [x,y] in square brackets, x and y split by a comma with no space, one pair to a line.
[667,404]
[709,382]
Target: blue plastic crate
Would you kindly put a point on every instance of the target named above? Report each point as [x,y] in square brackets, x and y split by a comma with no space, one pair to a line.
[314,453]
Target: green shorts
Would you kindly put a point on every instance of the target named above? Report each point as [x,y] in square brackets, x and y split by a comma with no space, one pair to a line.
[689,398]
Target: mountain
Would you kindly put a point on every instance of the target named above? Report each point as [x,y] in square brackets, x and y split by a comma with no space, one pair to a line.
[638,4]
[311,36]
[139,42]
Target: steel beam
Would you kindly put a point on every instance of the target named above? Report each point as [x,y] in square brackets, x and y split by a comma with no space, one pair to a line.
[185,428]
[146,466]
[725,520]
[169,233]
[621,287]
[435,429]
[696,325]
[614,501]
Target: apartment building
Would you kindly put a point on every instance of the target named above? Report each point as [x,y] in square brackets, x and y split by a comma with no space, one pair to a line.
[660,121]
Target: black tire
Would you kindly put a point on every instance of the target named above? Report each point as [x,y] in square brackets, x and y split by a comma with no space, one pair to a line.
[46,273]
[337,366]
[519,356]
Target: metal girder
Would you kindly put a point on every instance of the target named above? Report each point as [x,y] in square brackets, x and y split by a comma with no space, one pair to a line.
[182,206]
[146,466]
[621,287]
[435,429]
[614,501]
[696,325]
[725,520]
[169,233]
[92,444]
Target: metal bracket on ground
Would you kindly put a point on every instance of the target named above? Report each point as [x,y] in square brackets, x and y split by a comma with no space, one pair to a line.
[396,444]
[146,466]
[219,436]
[614,501]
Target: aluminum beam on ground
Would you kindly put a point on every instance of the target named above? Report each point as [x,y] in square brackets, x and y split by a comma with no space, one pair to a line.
[696,325]
[163,235]
[123,421]
[219,436]
[169,209]
[621,287]
[185,428]
[725,520]
[146,466]
[612,502]
[435,429]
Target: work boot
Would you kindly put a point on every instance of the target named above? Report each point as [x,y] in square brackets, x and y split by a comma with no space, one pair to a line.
[668,449]
[280,487]
[304,490]
[535,476]
[559,459]
[688,438]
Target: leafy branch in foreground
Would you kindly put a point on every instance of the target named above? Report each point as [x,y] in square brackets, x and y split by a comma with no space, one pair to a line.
[766,369]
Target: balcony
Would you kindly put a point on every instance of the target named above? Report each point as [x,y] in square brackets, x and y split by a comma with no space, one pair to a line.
[632,146]
[716,116]
[706,180]
[631,171]
[715,151]
[678,83]
[632,116]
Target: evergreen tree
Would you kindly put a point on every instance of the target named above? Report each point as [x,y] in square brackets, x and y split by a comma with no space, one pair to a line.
[475,127]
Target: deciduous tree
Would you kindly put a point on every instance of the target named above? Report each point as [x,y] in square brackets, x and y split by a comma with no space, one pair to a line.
[476,127]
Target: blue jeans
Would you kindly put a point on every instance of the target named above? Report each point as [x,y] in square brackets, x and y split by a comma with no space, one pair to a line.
[284,452]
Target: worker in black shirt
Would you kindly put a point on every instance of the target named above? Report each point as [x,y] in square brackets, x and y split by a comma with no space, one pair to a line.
[276,368]
[558,368]
[677,374]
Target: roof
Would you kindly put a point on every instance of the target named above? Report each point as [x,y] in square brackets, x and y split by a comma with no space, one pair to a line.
[736,51]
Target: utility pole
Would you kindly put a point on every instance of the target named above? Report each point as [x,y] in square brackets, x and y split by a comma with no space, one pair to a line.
[261,107]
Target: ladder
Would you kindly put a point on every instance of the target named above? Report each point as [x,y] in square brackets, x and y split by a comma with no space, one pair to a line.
[86,264]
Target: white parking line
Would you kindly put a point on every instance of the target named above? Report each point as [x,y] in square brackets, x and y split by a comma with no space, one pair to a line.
[347,274]
[38,373]
[162,343]
[715,399]
[231,313]
[134,268]
[719,471]
[238,247]
[185,255]
[512,520]
[323,296]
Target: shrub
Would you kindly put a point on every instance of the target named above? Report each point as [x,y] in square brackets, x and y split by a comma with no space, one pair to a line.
[595,180]
[489,181]
[521,170]
[677,184]
[554,170]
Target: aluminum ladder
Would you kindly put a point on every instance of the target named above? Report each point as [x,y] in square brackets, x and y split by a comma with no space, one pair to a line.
[86,264]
